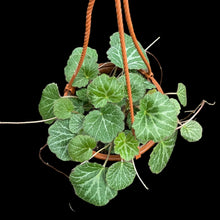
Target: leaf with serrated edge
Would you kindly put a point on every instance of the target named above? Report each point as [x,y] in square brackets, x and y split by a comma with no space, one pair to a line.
[59,137]
[181,94]
[120,175]
[80,147]
[161,154]
[105,89]
[49,95]
[90,53]
[192,131]
[156,119]
[89,182]
[88,70]
[63,108]
[104,124]
[126,145]
[115,55]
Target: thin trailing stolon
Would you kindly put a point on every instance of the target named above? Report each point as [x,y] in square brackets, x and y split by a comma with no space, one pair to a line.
[26,122]
[113,111]
[47,164]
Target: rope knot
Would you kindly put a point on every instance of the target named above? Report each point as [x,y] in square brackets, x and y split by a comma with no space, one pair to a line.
[148,75]
[69,90]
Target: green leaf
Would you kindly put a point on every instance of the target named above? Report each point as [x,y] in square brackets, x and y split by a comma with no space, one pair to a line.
[161,154]
[78,105]
[63,108]
[149,85]
[156,119]
[126,146]
[133,57]
[89,69]
[152,91]
[176,105]
[82,94]
[120,175]
[90,53]
[192,131]
[80,148]
[104,124]
[129,118]
[138,85]
[76,123]
[89,182]
[181,94]
[105,89]
[49,95]
[59,137]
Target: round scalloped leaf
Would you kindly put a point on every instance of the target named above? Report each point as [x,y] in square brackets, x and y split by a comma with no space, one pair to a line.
[105,89]
[192,131]
[138,85]
[120,175]
[104,124]
[176,105]
[59,137]
[115,55]
[181,94]
[80,148]
[89,182]
[161,154]
[90,53]
[156,119]
[126,145]
[89,69]
[63,108]
[49,95]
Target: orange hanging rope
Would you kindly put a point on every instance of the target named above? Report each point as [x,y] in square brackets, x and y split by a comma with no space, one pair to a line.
[124,56]
[148,74]
[69,88]
[133,36]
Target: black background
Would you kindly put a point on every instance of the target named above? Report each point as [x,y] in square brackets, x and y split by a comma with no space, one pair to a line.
[36,41]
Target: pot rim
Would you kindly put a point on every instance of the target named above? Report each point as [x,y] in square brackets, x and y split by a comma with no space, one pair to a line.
[116,157]
[107,67]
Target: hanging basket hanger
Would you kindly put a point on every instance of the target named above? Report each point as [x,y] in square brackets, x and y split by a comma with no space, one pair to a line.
[69,89]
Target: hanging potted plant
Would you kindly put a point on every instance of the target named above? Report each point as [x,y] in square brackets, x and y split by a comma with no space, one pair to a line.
[113,111]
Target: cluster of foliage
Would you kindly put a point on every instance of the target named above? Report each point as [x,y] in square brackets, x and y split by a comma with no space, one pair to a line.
[97,118]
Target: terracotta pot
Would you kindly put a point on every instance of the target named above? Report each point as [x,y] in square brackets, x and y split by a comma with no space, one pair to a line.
[107,68]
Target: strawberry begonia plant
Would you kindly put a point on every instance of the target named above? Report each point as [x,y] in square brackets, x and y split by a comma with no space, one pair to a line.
[96,119]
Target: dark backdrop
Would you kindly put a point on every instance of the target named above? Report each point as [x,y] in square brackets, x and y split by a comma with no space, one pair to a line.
[36,41]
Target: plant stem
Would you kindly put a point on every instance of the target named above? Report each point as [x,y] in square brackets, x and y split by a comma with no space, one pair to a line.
[170,93]
[26,122]
[198,109]
[109,152]
[47,164]
[96,153]
[139,175]
[103,64]
[152,43]
[120,74]
[114,70]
